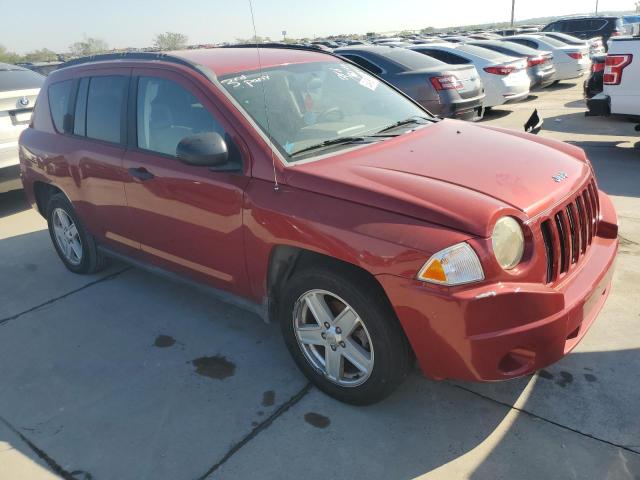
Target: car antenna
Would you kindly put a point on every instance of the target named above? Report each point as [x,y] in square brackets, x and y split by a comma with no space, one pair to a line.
[264,99]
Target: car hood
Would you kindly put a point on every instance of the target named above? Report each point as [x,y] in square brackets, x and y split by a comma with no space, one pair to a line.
[451,173]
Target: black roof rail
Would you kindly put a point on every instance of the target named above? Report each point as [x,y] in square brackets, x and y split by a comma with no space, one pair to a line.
[285,46]
[157,56]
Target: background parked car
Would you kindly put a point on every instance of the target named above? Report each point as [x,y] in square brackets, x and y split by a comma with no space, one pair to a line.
[454,91]
[621,80]
[589,27]
[569,61]
[19,88]
[593,83]
[43,68]
[504,77]
[540,67]
[595,45]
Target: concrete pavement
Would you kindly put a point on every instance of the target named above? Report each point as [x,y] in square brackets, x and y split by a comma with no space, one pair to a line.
[124,375]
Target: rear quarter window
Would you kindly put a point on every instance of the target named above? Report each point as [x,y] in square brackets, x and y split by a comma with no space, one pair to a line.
[444,56]
[411,60]
[59,96]
[481,52]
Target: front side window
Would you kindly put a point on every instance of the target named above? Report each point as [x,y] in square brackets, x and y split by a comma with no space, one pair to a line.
[167,113]
[106,99]
[310,103]
[59,96]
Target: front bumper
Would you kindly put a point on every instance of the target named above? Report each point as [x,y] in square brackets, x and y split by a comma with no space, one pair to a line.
[505,330]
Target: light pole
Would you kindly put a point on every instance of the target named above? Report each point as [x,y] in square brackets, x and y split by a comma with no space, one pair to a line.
[513,11]
[597,7]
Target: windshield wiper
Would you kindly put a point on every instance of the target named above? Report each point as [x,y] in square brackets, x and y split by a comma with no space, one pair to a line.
[328,143]
[406,121]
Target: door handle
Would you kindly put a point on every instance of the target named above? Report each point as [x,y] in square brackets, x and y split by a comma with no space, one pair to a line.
[141,173]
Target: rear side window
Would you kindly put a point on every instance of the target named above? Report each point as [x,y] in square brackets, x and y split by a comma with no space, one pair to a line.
[553,27]
[59,95]
[106,99]
[364,63]
[585,25]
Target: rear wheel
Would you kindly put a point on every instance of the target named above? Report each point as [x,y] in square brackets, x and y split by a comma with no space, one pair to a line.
[74,244]
[343,335]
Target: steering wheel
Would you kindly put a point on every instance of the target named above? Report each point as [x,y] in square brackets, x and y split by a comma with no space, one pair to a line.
[327,115]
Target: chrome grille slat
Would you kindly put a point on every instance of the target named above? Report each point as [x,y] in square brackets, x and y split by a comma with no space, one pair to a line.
[569,231]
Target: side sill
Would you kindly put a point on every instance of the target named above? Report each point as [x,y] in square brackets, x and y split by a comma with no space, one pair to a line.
[261,310]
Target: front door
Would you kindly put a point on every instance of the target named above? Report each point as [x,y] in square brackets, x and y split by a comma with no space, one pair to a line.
[186,218]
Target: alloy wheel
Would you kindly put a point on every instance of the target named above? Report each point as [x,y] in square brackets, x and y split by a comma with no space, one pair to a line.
[333,338]
[67,236]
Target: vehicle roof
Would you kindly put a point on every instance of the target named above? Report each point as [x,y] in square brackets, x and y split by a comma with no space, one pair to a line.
[588,17]
[227,61]
[10,66]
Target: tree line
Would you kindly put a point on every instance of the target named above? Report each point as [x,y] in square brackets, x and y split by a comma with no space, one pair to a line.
[88,46]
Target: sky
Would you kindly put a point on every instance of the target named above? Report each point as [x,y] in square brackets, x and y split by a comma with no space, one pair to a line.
[55,25]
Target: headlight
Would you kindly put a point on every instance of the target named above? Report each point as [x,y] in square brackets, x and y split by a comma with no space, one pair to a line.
[452,266]
[508,242]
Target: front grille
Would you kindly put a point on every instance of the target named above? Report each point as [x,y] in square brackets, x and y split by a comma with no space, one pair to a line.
[569,231]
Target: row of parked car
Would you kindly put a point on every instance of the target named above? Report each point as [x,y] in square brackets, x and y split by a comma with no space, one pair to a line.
[464,78]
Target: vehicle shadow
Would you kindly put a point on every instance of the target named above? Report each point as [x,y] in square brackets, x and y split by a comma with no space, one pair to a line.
[137,376]
[13,202]
[617,168]
[494,114]
[576,104]
[577,123]
[562,85]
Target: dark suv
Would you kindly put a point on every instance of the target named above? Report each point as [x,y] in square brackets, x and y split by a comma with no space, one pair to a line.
[588,27]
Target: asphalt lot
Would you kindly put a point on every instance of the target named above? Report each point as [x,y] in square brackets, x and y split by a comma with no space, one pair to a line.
[126,375]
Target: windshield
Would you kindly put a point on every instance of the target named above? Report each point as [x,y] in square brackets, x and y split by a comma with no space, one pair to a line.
[311,103]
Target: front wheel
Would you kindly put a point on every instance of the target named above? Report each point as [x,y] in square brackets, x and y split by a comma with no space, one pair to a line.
[343,334]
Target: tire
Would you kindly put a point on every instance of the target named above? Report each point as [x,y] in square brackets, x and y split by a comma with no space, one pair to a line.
[89,260]
[378,338]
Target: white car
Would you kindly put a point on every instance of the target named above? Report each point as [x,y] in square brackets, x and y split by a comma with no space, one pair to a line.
[19,88]
[571,61]
[595,45]
[621,80]
[505,78]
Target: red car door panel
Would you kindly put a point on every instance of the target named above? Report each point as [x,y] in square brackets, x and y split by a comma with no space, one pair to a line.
[186,218]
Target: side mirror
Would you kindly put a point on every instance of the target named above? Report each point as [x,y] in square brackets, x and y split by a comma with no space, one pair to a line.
[203,149]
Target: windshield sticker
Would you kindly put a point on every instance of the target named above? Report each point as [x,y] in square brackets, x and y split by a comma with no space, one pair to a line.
[244,81]
[349,73]
[369,82]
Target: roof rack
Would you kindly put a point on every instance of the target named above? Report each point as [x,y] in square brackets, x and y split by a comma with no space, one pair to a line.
[285,46]
[157,56]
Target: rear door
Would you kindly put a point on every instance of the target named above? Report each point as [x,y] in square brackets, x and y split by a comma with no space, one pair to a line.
[89,117]
[186,218]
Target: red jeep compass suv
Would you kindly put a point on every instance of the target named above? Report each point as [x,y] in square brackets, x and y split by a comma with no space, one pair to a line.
[296,184]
